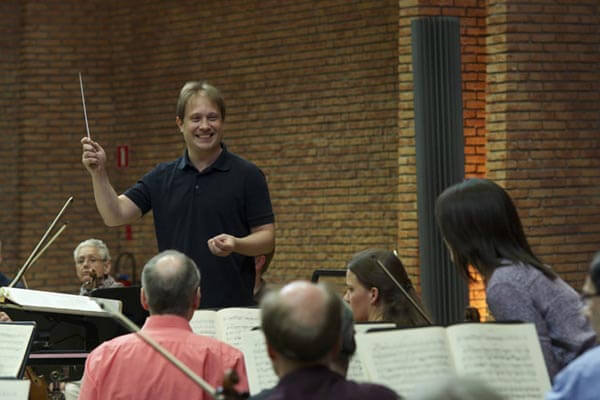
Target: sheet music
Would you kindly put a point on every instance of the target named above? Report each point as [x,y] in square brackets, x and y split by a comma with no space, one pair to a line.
[14,389]
[258,365]
[233,322]
[404,359]
[53,302]
[357,371]
[508,357]
[203,322]
[14,341]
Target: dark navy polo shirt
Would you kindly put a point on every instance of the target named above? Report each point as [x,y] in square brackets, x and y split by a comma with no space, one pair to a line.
[230,196]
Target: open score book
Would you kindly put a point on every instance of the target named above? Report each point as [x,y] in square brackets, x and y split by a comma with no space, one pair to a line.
[508,357]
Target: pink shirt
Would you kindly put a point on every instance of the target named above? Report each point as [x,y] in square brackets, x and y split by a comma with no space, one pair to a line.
[128,368]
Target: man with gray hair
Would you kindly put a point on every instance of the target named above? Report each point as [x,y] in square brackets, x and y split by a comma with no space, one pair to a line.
[93,265]
[127,368]
[302,324]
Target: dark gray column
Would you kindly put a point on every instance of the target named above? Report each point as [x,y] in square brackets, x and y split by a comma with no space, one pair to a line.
[440,156]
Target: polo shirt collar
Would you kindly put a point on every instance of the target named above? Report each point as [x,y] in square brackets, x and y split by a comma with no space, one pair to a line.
[222,163]
[166,321]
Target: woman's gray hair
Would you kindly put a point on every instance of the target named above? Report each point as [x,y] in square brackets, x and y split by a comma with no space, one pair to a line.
[97,243]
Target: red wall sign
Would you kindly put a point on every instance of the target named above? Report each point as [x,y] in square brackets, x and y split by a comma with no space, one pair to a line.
[122,156]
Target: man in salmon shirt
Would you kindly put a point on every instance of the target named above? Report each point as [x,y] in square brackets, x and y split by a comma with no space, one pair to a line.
[128,368]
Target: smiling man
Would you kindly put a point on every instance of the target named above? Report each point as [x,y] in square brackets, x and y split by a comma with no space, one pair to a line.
[210,204]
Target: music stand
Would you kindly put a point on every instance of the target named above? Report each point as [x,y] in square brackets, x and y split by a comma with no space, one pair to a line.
[130,298]
[317,273]
[331,277]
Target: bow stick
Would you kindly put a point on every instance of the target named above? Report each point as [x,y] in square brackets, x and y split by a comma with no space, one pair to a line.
[34,254]
[404,292]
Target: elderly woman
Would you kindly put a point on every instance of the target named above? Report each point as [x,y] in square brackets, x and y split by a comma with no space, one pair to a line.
[373,295]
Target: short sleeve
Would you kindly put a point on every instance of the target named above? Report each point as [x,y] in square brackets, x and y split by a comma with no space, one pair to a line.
[140,193]
[258,202]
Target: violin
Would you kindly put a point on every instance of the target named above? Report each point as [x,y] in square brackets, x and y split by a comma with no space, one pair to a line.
[38,389]
[227,390]
[92,283]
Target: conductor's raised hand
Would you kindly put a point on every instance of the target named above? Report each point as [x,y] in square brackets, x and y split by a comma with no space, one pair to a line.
[222,245]
[93,156]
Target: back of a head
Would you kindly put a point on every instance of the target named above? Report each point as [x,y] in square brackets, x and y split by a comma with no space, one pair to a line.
[170,280]
[396,307]
[480,224]
[348,347]
[302,321]
[455,388]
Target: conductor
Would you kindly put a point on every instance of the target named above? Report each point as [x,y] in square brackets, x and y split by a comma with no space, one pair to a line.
[210,204]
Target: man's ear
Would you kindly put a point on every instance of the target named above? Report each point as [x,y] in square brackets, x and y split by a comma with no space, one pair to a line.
[271,352]
[335,350]
[259,263]
[144,300]
[373,295]
[179,123]
[197,298]
[107,267]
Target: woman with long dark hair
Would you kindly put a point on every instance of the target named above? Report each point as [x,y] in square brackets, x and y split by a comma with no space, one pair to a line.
[373,295]
[481,227]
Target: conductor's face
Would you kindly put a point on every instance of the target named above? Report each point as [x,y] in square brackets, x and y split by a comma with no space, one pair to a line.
[89,259]
[202,126]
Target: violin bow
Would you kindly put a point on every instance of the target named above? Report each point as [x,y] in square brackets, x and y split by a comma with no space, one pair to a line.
[404,292]
[35,254]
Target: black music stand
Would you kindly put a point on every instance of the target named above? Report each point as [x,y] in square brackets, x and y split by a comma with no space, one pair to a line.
[129,297]
[328,273]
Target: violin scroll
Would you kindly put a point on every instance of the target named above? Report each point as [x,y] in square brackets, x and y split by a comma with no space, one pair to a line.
[227,391]
[92,283]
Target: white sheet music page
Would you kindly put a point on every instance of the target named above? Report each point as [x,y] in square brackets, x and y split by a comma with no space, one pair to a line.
[258,365]
[233,322]
[506,356]
[404,359]
[203,322]
[14,389]
[14,340]
[51,301]
[356,371]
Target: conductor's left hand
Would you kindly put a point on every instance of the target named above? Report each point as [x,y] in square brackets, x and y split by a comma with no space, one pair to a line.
[222,245]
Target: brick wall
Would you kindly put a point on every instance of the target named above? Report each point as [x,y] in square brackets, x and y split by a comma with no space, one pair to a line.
[319,95]
[311,94]
[542,119]
[10,32]
[58,39]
